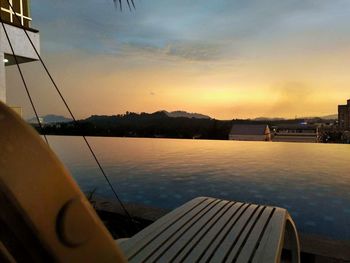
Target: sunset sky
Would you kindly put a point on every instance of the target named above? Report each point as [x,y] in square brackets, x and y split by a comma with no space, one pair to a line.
[224,58]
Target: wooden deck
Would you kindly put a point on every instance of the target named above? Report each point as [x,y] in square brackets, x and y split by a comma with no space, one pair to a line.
[213,230]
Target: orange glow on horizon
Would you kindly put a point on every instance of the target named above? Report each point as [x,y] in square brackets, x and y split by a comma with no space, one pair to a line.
[282,87]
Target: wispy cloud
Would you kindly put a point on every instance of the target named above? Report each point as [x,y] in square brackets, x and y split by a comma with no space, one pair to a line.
[194,51]
[198,30]
[188,51]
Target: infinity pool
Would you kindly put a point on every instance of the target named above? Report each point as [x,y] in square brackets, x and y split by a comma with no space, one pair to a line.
[311,180]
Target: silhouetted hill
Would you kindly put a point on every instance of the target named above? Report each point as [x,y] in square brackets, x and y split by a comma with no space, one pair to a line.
[269,119]
[157,124]
[274,119]
[125,118]
[176,114]
[161,125]
[330,117]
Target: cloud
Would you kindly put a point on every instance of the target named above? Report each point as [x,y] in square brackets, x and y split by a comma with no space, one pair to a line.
[292,90]
[291,97]
[177,48]
[194,51]
[193,30]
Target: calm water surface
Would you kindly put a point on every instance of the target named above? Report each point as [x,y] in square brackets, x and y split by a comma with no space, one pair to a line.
[311,180]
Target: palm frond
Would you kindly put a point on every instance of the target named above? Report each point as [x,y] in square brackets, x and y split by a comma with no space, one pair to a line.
[128,4]
[119,4]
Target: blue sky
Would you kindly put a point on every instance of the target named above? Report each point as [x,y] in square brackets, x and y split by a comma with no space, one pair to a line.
[224,58]
[219,27]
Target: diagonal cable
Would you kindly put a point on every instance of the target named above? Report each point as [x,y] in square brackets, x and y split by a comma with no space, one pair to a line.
[23,80]
[74,119]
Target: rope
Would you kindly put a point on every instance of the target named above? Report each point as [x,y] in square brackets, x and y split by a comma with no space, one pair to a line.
[74,119]
[23,80]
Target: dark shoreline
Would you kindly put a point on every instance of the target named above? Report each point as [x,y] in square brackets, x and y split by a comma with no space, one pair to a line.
[160,125]
[191,139]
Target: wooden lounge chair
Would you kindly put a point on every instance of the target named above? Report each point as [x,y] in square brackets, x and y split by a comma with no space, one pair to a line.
[213,230]
[46,218]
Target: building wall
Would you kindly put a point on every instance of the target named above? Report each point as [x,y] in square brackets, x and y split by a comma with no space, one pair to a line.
[20,43]
[243,137]
[2,79]
[296,135]
[291,138]
[344,116]
[23,51]
[267,134]
[348,116]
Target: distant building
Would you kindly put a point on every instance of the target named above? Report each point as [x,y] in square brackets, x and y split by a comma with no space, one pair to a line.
[14,21]
[250,132]
[346,137]
[344,116]
[296,133]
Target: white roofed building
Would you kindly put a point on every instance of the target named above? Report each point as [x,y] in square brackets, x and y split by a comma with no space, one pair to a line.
[250,132]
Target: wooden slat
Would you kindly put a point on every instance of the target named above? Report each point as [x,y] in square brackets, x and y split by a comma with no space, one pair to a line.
[149,251]
[160,225]
[270,247]
[251,242]
[179,240]
[212,230]
[201,225]
[234,233]
[242,235]
[198,244]
[217,241]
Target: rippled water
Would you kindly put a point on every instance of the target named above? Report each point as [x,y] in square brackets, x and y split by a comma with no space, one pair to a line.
[311,180]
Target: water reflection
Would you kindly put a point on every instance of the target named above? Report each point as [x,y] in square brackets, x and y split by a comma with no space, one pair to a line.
[311,180]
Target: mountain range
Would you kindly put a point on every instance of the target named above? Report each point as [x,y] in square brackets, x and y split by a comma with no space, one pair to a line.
[330,117]
[327,117]
[51,118]
[185,114]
